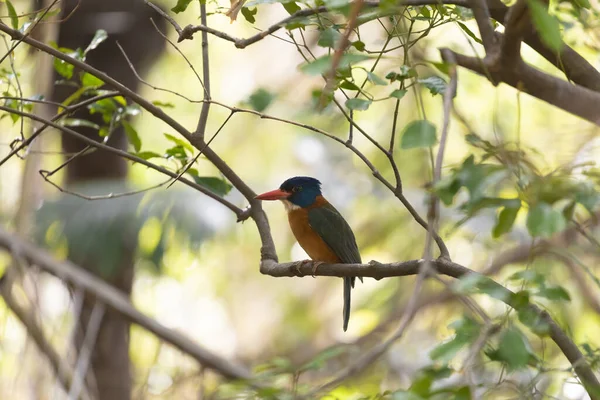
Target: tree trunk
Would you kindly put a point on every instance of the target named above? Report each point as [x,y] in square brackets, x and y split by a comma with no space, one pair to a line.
[127,22]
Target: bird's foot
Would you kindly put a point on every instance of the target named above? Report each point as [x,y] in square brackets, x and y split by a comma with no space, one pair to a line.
[299,264]
[315,266]
[374,263]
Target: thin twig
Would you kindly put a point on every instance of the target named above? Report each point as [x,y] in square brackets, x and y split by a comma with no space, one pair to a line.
[239,212]
[117,301]
[202,121]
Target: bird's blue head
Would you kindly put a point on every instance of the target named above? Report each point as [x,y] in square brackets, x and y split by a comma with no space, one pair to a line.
[301,191]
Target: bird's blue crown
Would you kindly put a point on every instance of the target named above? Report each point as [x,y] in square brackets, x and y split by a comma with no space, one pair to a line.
[304,190]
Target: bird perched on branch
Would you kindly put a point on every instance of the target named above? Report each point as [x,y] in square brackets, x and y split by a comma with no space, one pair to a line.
[318,227]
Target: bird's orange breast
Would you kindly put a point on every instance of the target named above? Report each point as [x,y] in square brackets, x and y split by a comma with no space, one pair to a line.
[310,241]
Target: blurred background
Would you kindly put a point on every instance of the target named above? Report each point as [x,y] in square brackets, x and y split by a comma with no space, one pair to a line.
[186,262]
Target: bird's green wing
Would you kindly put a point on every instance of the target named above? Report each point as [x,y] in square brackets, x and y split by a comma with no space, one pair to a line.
[329,224]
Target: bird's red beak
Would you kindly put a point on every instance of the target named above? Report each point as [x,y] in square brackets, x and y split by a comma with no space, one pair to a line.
[276,194]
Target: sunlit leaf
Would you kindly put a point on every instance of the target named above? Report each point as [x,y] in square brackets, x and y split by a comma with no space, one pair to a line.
[469,32]
[179,141]
[99,37]
[63,68]
[547,25]
[90,81]
[545,221]
[132,136]
[420,133]
[323,64]
[12,13]
[216,185]
[291,7]
[163,104]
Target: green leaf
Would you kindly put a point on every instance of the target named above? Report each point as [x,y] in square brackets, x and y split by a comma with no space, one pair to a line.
[323,64]
[476,283]
[506,219]
[90,81]
[260,100]
[146,155]
[132,136]
[404,395]
[533,321]
[181,6]
[358,104]
[466,330]
[376,79]
[179,142]
[214,184]
[329,38]
[291,7]
[12,13]
[79,122]
[420,133]
[513,349]
[547,25]
[435,84]
[249,14]
[398,93]
[319,361]
[63,68]
[99,37]
[554,293]
[159,103]
[358,45]
[583,3]
[544,221]
[469,32]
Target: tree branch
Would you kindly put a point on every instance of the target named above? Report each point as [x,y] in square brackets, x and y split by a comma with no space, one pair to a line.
[379,271]
[62,371]
[239,212]
[516,23]
[482,17]
[575,99]
[114,299]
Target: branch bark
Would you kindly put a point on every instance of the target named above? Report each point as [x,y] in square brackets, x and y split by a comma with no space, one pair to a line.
[105,293]
[379,271]
[577,100]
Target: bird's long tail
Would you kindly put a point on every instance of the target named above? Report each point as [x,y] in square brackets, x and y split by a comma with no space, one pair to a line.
[348,285]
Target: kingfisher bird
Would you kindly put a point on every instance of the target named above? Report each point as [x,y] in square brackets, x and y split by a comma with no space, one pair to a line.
[318,227]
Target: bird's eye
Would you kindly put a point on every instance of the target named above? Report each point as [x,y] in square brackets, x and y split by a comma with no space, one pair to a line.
[296,189]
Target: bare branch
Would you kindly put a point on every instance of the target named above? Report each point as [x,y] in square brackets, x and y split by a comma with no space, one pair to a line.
[59,367]
[482,17]
[114,299]
[239,212]
[577,100]
[516,23]
[379,271]
[201,127]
